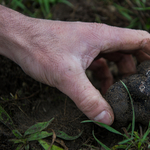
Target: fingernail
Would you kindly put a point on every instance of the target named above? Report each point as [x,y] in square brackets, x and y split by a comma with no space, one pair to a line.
[104,117]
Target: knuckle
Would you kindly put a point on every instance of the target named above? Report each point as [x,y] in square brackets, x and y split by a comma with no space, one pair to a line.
[89,104]
[142,33]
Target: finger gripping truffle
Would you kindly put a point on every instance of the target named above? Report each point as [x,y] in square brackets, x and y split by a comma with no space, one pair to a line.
[139,88]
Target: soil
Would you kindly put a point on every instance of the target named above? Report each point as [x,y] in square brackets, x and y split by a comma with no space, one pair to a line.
[28,101]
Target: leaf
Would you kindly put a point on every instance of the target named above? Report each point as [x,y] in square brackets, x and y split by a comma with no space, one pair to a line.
[64,136]
[103,145]
[27,147]
[7,121]
[46,145]
[16,141]
[20,147]
[39,135]
[105,126]
[38,127]
[17,133]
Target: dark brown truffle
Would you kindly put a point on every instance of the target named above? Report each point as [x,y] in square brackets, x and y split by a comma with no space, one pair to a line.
[139,88]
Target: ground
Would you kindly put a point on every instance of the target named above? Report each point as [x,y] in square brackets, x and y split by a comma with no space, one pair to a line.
[35,102]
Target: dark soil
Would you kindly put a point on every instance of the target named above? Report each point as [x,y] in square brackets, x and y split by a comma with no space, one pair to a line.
[34,102]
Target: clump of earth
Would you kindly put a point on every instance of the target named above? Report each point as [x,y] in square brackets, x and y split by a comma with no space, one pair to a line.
[139,88]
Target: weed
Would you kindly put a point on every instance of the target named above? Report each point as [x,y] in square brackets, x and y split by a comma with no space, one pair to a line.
[33,133]
[132,140]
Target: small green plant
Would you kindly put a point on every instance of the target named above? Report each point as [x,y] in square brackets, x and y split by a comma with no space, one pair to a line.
[33,133]
[34,8]
[132,140]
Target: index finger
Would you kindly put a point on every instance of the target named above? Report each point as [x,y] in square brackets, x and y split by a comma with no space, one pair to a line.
[111,39]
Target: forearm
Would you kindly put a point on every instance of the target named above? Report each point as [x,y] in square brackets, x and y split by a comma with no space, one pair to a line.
[13,33]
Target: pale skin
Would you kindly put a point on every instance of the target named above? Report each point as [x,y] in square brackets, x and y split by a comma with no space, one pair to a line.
[57,53]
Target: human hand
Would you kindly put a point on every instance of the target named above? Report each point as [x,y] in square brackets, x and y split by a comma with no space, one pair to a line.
[58,53]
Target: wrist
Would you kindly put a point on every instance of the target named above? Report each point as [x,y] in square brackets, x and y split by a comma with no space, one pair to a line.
[13,33]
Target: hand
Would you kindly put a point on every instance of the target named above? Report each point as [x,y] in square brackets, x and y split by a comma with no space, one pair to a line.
[58,53]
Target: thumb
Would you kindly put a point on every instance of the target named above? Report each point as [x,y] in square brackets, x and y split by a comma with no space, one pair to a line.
[87,98]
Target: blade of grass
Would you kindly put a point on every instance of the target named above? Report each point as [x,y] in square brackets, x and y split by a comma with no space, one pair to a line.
[103,145]
[37,127]
[125,141]
[133,119]
[46,5]
[125,12]
[65,2]
[42,7]
[142,9]
[105,126]
[145,135]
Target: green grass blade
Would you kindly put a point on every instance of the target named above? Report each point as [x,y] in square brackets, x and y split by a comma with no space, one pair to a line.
[42,7]
[7,121]
[128,128]
[18,4]
[125,141]
[139,145]
[142,9]
[103,145]
[136,135]
[145,135]
[133,23]
[125,12]
[105,126]
[66,2]
[38,127]
[46,5]
[39,135]
[133,119]
[64,136]
[46,145]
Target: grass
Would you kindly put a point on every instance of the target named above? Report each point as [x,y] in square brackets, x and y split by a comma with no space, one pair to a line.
[137,13]
[131,140]
[34,8]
